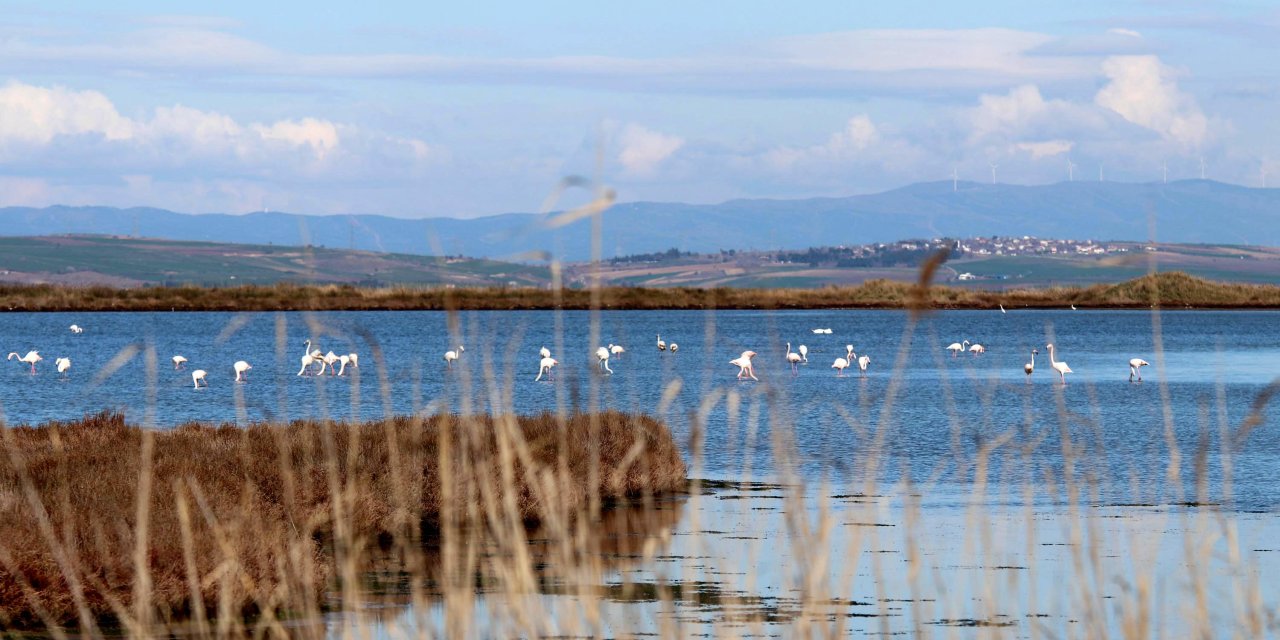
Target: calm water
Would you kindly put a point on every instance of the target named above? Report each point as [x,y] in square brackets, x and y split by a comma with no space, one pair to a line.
[811,424]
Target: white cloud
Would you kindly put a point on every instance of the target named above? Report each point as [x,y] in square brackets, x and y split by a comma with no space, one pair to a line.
[37,115]
[1045,149]
[642,150]
[1142,91]
[320,135]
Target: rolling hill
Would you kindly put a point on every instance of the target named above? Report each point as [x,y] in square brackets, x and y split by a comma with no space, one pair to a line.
[1188,211]
[128,262]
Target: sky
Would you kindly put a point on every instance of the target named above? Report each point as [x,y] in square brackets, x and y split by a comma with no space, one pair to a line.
[416,109]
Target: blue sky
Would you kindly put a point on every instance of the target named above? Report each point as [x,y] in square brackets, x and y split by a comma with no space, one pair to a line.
[423,109]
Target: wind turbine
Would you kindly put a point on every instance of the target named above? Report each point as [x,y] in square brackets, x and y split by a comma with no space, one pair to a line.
[1071,171]
[993,171]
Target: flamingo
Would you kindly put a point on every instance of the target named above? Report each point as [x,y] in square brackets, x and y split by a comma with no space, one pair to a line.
[848,352]
[75,328]
[617,350]
[662,346]
[1002,309]
[545,366]
[544,352]
[63,364]
[977,349]
[955,347]
[197,376]
[863,361]
[674,347]
[1135,368]
[355,359]
[328,360]
[1030,366]
[793,358]
[343,360]
[1060,367]
[602,354]
[450,356]
[31,358]
[804,354]
[1073,307]
[178,361]
[307,362]
[743,362]
[241,367]
[840,365]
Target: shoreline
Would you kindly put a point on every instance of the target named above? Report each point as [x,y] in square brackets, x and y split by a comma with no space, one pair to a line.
[1173,290]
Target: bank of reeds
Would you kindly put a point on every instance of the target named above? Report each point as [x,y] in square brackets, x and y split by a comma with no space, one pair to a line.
[1173,289]
[105,521]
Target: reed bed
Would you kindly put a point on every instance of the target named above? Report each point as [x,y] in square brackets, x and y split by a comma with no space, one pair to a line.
[102,522]
[1172,289]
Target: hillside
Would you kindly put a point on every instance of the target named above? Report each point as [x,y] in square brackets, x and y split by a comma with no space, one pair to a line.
[130,262]
[1188,211]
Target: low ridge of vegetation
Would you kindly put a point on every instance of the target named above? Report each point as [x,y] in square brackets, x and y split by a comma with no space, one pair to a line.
[1173,289]
[101,520]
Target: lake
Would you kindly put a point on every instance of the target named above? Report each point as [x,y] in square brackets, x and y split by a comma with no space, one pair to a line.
[922,438]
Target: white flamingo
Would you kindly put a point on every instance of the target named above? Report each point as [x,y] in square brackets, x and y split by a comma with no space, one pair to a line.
[450,356]
[344,360]
[1060,367]
[63,364]
[804,354]
[31,358]
[602,354]
[848,352]
[616,350]
[955,347]
[840,365]
[1002,309]
[793,358]
[355,359]
[674,347]
[745,368]
[544,352]
[545,366]
[1135,368]
[178,361]
[863,361]
[328,360]
[197,377]
[308,361]
[977,349]
[662,346]
[1029,367]
[241,367]
[75,328]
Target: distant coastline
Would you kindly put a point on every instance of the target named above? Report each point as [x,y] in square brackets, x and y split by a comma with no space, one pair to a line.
[1173,290]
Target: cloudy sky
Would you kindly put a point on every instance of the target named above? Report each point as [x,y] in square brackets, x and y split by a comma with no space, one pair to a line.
[420,109]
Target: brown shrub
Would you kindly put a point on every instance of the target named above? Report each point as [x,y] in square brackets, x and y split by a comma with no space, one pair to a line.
[242,520]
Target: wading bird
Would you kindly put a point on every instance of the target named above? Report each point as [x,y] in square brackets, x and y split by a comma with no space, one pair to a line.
[793,359]
[178,361]
[1030,366]
[977,349]
[75,328]
[674,347]
[450,356]
[197,377]
[602,354]
[848,352]
[840,365]
[328,360]
[863,361]
[63,364]
[1060,367]
[545,366]
[241,367]
[662,346]
[804,354]
[955,347]
[544,352]
[1135,368]
[743,362]
[616,350]
[31,358]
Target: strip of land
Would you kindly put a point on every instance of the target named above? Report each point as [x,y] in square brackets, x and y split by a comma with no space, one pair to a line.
[1168,290]
[105,522]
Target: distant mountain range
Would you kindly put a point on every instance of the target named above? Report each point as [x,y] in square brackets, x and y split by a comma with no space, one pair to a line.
[1189,211]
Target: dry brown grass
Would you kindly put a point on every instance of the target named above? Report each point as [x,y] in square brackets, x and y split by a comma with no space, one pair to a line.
[100,520]
[1173,288]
